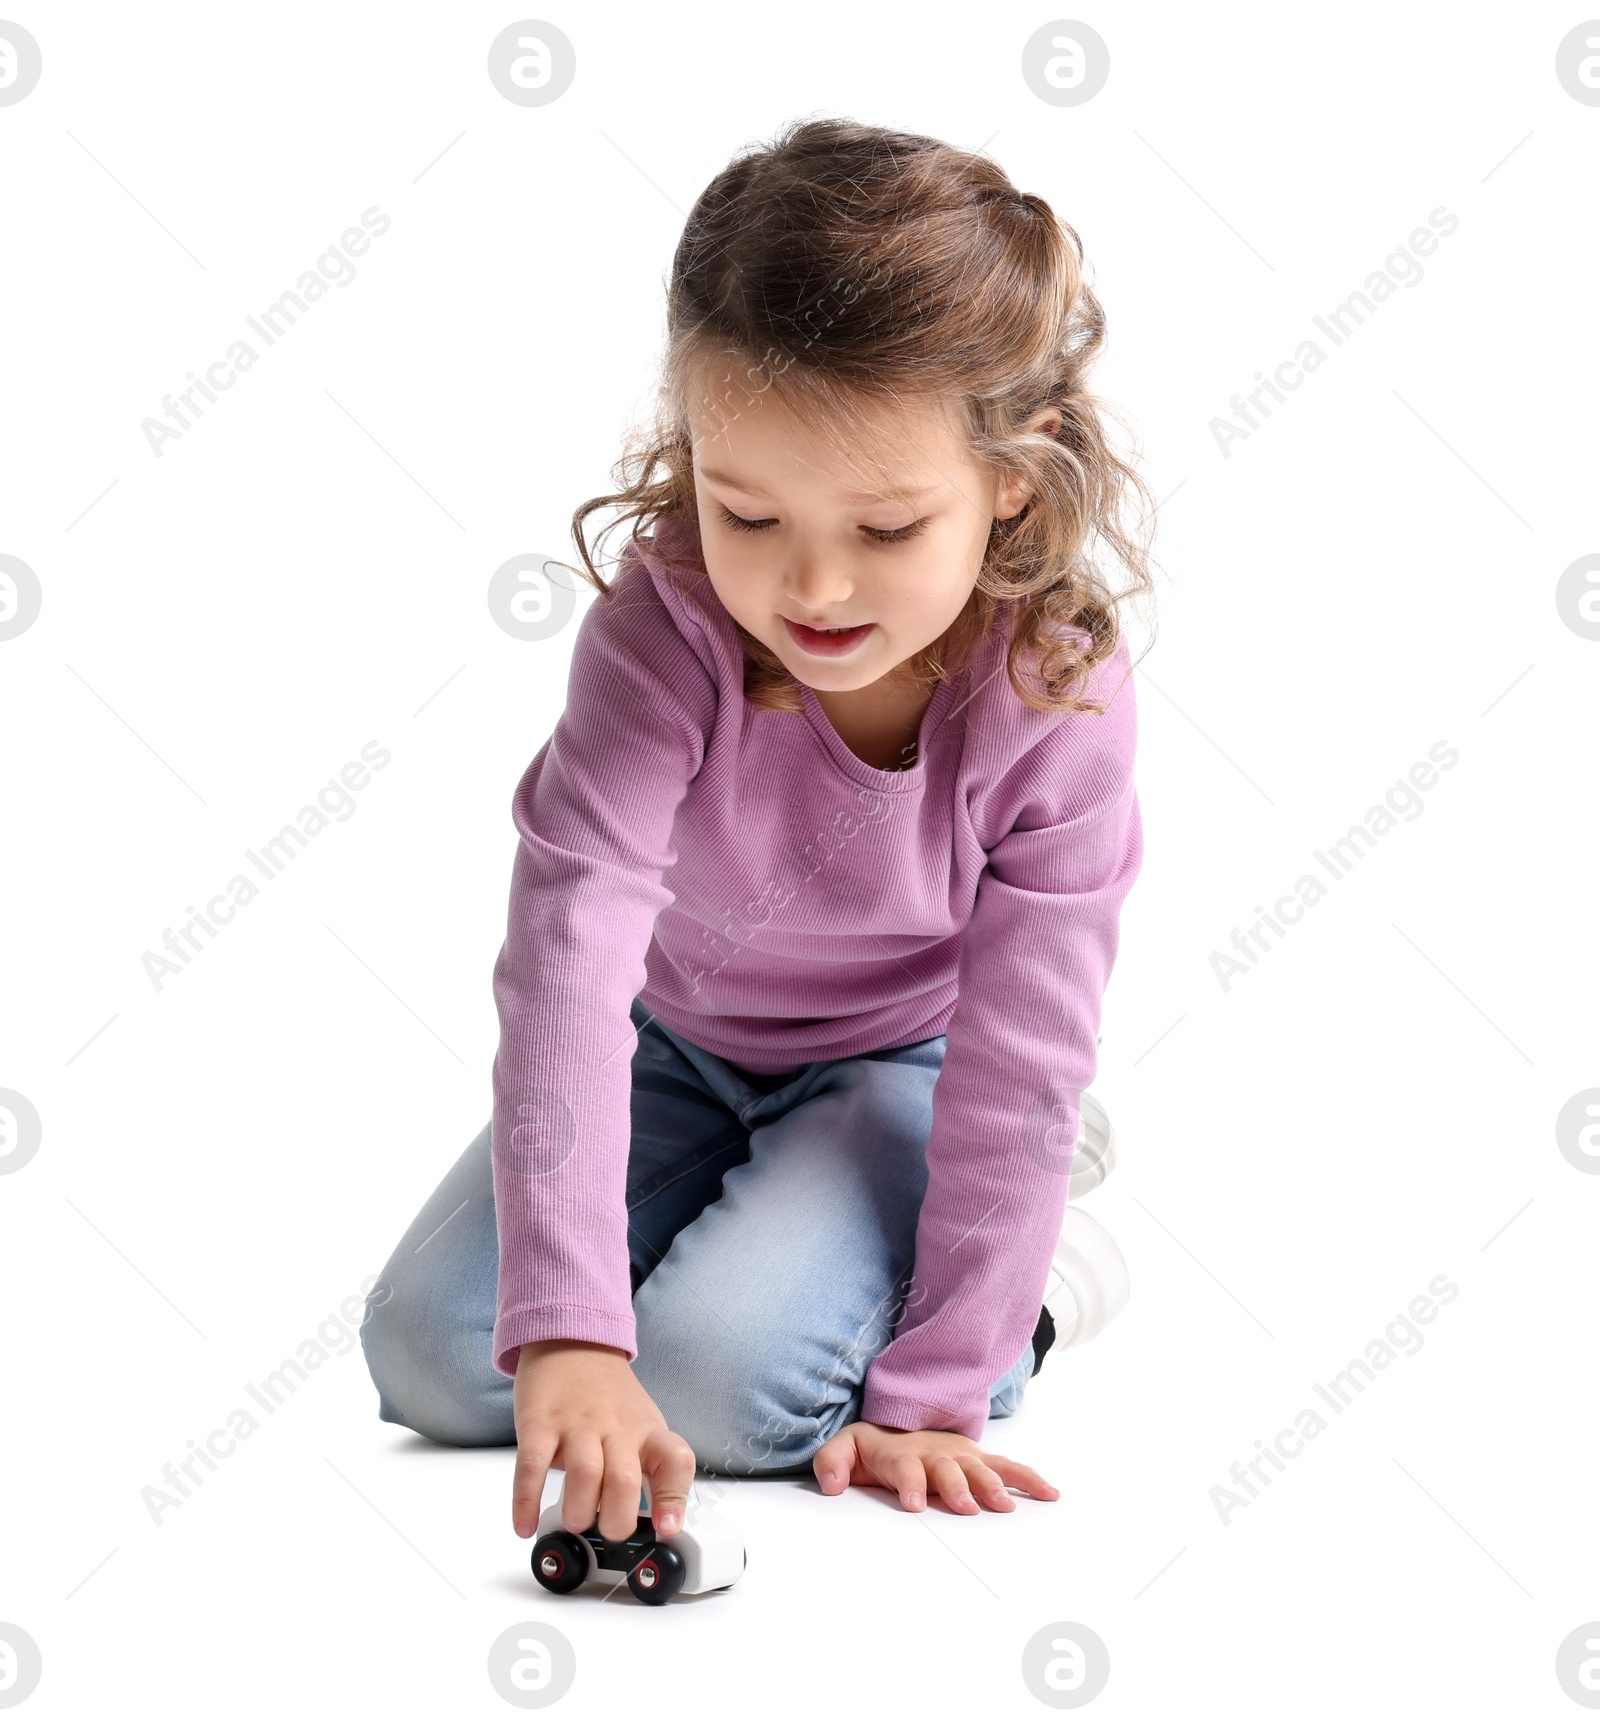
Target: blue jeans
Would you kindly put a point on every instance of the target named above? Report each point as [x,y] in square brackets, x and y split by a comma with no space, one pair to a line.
[771,1230]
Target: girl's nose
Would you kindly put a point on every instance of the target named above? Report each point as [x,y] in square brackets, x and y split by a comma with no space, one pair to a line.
[814,586]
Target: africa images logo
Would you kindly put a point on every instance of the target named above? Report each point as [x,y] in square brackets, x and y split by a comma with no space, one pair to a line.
[1401,269]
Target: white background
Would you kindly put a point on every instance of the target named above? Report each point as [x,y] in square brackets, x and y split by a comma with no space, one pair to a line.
[226,1160]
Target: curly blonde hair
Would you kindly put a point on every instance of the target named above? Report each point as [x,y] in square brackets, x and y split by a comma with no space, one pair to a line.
[844,264]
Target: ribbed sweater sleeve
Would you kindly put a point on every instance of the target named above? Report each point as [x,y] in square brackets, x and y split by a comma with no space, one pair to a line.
[1035,959]
[594,814]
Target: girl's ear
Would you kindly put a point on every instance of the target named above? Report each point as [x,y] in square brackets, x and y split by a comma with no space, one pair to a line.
[1015,490]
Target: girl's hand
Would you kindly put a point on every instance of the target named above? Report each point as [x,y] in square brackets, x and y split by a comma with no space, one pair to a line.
[582,1408]
[921,1462]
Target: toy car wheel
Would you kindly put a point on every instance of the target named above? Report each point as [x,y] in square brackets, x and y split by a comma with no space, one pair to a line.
[560,1562]
[658,1575]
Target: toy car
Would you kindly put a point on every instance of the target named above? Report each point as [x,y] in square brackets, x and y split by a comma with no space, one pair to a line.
[700,1557]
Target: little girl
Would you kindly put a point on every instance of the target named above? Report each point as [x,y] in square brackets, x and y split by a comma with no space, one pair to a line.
[818,881]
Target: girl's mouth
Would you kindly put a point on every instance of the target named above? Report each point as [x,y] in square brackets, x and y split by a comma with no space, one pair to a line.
[836,642]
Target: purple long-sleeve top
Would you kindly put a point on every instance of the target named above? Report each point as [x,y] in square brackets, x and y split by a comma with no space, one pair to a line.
[778,901]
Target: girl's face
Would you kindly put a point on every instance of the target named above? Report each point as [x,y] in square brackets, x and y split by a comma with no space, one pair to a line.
[795,542]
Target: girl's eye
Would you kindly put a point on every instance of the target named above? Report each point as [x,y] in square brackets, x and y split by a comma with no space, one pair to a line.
[890,535]
[745,524]
[885,537]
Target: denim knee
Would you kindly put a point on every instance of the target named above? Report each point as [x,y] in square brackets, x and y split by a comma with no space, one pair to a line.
[428,1372]
[749,1426]
[750,1402]
[755,1416]
[741,1399]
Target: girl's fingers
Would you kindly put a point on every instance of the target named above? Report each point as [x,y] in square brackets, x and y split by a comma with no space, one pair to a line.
[527,1485]
[833,1463]
[669,1462]
[1021,1477]
[911,1482]
[620,1492]
[584,1459]
[946,1475]
[965,1482]
[987,1486]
